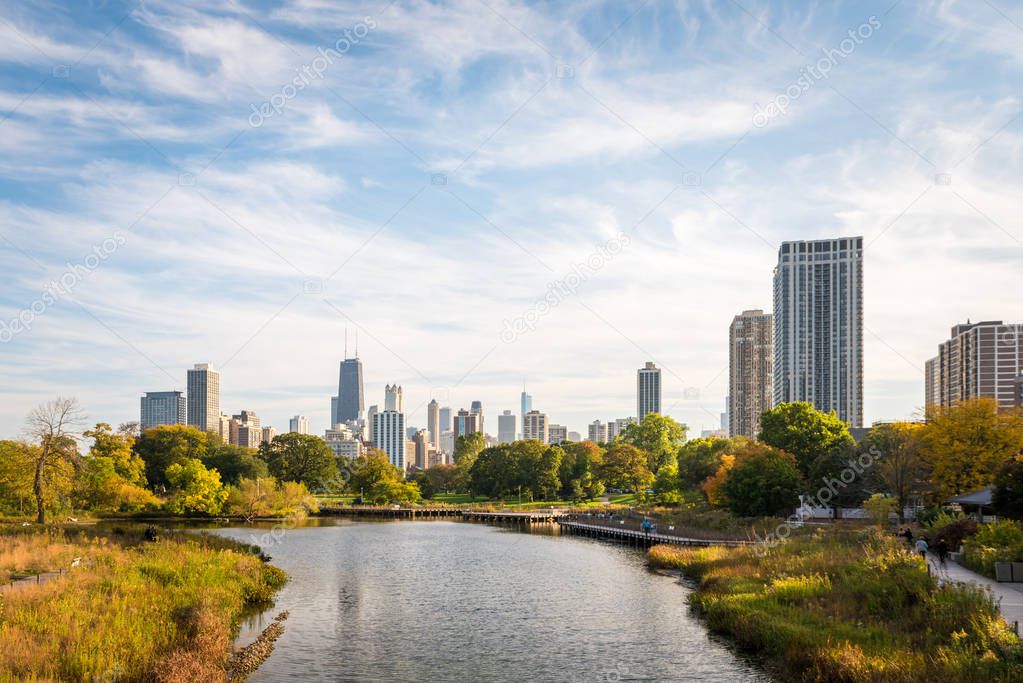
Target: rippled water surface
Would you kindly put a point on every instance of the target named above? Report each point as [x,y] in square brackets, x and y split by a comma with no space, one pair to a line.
[450,602]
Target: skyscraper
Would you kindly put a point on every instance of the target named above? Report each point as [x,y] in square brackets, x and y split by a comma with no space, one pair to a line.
[597,432]
[979,360]
[203,387]
[162,408]
[245,430]
[299,425]
[750,371]
[525,405]
[535,427]
[445,419]
[476,408]
[465,423]
[506,427]
[389,436]
[350,396]
[648,390]
[371,415]
[557,434]
[393,398]
[433,423]
[818,326]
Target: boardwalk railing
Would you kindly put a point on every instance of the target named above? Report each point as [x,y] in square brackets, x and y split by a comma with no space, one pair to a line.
[620,533]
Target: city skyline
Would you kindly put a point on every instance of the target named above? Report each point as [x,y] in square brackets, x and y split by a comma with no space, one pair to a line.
[654,203]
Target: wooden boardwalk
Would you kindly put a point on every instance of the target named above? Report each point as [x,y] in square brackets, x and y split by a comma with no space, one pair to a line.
[547,516]
[640,538]
[393,512]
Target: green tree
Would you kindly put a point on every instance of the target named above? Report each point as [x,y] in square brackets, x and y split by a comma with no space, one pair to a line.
[880,508]
[659,436]
[667,481]
[626,467]
[234,462]
[468,446]
[51,425]
[100,486]
[165,445]
[300,457]
[968,444]
[17,463]
[380,482]
[120,449]
[579,459]
[899,466]
[197,490]
[699,459]
[267,497]
[436,479]
[805,432]
[495,471]
[765,483]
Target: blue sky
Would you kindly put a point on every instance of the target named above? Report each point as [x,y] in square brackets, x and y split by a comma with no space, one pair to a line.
[451,160]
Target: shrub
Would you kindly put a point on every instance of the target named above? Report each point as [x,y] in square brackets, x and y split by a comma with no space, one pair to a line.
[996,542]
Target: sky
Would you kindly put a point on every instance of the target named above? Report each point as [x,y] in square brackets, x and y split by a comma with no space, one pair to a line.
[492,193]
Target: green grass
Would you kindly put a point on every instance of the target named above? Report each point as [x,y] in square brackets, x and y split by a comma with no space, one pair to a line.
[848,605]
[132,610]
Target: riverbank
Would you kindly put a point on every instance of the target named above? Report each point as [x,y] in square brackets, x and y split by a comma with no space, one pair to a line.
[125,608]
[848,605]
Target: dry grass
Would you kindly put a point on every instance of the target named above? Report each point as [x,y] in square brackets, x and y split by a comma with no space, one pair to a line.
[851,606]
[137,612]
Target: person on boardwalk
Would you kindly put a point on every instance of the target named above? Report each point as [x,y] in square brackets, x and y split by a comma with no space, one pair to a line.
[907,534]
[921,547]
[646,526]
[941,548]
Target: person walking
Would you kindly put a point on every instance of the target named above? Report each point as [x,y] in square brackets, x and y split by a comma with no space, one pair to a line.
[921,547]
[941,548]
[646,526]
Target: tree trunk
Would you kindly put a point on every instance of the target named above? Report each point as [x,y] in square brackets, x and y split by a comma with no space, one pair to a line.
[37,489]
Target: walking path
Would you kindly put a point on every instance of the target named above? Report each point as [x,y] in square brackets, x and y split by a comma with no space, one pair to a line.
[1008,595]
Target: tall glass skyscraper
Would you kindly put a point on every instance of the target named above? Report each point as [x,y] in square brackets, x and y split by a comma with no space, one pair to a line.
[818,326]
[204,397]
[162,408]
[350,397]
[526,405]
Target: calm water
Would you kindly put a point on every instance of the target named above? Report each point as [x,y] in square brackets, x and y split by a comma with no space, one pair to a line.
[451,602]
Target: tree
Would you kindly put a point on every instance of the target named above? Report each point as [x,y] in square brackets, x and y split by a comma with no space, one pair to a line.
[968,444]
[119,448]
[52,426]
[468,446]
[699,459]
[880,508]
[266,497]
[805,432]
[495,471]
[197,490]
[436,479]
[626,467]
[899,466]
[100,486]
[579,471]
[165,445]
[234,462]
[838,472]
[300,457]
[1007,498]
[379,482]
[764,483]
[659,436]
[17,461]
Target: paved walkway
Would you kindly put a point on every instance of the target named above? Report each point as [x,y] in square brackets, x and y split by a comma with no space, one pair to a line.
[1008,595]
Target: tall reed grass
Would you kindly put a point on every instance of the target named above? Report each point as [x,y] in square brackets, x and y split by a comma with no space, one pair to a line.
[849,606]
[132,611]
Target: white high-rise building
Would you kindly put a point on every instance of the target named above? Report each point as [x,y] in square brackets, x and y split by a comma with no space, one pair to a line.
[750,371]
[389,436]
[597,431]
[557,434]
[536,427]
[818,326]
[506,427]
[203,389]
[433,423]
[648,390]
[393,398]
[298,425]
